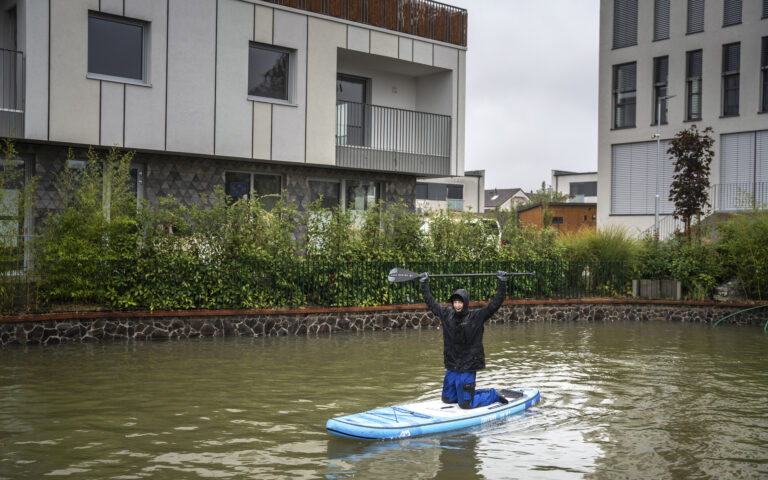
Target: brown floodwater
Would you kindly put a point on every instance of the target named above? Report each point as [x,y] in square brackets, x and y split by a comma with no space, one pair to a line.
[622,400]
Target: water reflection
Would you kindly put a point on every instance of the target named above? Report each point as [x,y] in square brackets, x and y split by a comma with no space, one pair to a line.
[626,400]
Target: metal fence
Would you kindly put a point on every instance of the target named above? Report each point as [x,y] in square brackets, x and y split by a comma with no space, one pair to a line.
[424,18]
[392,139]
[11,93]
[154,283]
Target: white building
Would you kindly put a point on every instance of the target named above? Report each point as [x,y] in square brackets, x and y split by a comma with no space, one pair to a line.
[580,187]
[351,101]
[711,56]
[459,194]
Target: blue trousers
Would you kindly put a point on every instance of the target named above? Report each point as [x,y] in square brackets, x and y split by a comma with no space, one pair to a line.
[460,387]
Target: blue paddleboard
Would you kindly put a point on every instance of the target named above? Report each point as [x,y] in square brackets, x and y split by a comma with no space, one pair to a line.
[424,418]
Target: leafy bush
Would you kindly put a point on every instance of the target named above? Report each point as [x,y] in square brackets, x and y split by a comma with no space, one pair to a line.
[697,265]
[744,246]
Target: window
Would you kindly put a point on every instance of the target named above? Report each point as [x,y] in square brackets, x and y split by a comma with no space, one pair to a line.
[695,16]
[455,196]
[693,85]
[557,220]
[731,12]
[731,60]
[743,170]
[328,190]
[660,69]
[269,72]
[117,48]
[765,8]
[764,74]
[633,178]
[265,187]
[661,20]
[624,23]
[421,191]
[624,95]
[361,195]
[587,189]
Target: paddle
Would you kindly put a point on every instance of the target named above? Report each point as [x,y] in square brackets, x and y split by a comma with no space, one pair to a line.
[402,275]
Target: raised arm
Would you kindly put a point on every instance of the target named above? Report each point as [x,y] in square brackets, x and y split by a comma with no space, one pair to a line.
[498,297]
[432,305]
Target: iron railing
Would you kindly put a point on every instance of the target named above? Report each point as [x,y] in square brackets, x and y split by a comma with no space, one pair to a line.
[723,197]
[11,93]
[155,283]
[423,18]
[374,137]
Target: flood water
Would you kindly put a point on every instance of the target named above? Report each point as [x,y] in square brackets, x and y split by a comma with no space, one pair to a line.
[626,400]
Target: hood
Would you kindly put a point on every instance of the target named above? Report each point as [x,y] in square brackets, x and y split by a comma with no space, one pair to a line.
[462,295]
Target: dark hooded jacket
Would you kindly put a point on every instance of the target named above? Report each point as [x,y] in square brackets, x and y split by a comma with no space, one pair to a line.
[463,331]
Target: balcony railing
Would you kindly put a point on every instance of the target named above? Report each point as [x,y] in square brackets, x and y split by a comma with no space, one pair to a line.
[373,137]
[723,197]
[424,18]
[11,93]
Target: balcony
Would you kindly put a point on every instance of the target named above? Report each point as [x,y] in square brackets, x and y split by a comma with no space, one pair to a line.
[723,198]
[423,18]
[372,137]
[11,93]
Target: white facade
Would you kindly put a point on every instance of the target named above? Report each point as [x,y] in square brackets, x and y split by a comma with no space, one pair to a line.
[574,185]
[195,98]
[473,198]
[627,153]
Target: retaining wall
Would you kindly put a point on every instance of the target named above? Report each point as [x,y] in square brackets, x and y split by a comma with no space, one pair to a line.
[49,329]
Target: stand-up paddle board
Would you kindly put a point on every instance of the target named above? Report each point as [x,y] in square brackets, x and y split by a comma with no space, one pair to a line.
[424,418]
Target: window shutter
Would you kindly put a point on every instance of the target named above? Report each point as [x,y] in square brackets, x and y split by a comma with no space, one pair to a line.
[624,23]
[761,164]
[621,179]
[694,63]
[633,179]
[731,57]
[626,77]
[695,16]
[765,8]
[661,20]
[731,12]
[660,68]
[737,168]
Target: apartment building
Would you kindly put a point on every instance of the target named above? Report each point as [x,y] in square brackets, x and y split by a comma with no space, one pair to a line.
[457,194]
[666,65]
[351,100]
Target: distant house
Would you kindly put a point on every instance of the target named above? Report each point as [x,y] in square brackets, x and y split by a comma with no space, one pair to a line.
[566,217]
[580,187]
[504,199]
[451,193]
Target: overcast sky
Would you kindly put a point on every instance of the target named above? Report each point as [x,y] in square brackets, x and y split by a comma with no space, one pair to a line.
[531,89]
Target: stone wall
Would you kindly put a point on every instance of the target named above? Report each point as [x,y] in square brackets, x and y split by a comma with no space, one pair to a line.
[145,326]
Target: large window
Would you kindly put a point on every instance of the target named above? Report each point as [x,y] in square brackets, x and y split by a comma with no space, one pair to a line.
[660,69]
[693,85]
[661,20]
[355,195]
[731,61]
[269,72]
[587,189]
[695,16]
[731,12]
[633,178]
[624,79]
[764,75]
[624,23]
[743,170]
[327,190]
[117,48]
[265,187]
[361,195]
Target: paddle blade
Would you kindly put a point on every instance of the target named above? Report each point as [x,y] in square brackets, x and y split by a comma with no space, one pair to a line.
[401,275]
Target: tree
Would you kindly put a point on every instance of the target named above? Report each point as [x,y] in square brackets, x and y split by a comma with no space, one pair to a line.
[693,154]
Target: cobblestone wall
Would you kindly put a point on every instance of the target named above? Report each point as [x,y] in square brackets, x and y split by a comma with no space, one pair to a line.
[70,329]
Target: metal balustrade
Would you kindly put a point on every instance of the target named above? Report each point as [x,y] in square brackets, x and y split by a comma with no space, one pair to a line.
[373,137]
[11,93]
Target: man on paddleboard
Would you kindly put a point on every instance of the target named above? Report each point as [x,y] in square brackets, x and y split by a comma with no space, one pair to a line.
[463,352]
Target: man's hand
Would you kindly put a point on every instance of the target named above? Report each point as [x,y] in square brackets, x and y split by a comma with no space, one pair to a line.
[502,275]
[424,277]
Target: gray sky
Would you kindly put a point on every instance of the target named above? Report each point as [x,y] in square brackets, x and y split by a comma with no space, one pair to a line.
[531,89]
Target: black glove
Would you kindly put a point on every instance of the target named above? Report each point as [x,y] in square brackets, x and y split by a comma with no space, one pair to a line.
[424,277]
[502,275]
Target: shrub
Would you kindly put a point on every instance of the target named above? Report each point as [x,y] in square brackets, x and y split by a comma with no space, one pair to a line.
[744,246]
[696,265]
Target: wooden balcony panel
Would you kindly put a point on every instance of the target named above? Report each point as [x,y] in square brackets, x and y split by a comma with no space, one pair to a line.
[423,18]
